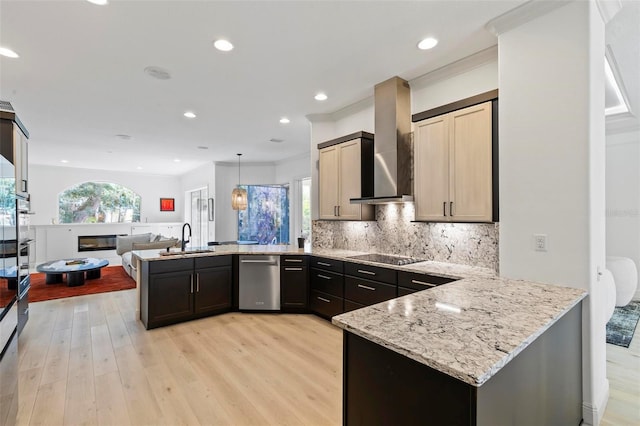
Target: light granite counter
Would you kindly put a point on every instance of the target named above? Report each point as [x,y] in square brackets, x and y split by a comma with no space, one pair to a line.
[449,270]
[468,329]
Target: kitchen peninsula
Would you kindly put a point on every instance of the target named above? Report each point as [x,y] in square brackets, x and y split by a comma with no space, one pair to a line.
[479,350]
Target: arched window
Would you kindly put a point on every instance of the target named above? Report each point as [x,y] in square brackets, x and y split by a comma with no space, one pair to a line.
[98,202]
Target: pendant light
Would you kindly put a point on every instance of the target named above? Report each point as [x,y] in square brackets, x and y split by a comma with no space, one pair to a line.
[239,195]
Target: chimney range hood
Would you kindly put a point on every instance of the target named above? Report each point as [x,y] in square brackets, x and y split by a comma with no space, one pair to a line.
[392,144]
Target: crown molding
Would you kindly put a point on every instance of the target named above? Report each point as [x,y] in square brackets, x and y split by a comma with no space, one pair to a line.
[460,66]
[319,118]
[523,14]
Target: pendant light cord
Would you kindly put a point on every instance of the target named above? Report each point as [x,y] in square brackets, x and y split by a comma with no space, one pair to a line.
[238,169]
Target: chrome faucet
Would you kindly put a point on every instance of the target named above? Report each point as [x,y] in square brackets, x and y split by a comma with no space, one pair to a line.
[185,241]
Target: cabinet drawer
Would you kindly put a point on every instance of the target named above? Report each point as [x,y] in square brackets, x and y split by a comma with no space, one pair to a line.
[367,292]
[212,261]
[371,272]
[420,281]
[327,264]
[325,304]
[289,260]
[352,306]
[327,282]
[173,265]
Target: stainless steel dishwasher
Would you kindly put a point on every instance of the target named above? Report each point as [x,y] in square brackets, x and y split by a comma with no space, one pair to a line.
[259,283]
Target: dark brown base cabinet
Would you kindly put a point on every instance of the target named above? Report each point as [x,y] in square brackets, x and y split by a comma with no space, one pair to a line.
[541,386]
[178,290]
[294,283]
[327,287]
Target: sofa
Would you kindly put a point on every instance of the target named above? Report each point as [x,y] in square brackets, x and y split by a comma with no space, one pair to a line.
[127,243]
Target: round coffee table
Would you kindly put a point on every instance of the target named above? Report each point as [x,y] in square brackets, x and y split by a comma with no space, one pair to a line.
[74,268]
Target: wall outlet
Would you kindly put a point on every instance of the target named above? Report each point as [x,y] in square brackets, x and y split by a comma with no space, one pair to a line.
[540,242]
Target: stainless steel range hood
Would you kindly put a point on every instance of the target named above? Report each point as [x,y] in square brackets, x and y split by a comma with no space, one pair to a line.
[392,144]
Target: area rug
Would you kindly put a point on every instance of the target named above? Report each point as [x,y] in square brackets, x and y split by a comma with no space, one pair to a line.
[112,278]
[622,324]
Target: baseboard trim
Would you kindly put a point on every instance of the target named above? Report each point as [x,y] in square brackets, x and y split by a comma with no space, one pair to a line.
[592,415]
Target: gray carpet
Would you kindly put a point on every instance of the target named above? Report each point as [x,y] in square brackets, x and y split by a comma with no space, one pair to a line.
[622,324]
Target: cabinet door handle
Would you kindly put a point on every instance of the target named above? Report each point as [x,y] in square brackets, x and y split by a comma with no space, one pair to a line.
[423,283]
[444,208]
[338,210]
[323,299]
[366,287]
[293,269]
[335,210]
[293,260]
[362,271]
[191,283]
[324,276]
[198,282]
[451,208]
[324,264]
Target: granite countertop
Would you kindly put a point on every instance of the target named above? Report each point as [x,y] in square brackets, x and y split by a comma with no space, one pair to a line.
[449,270]
[468,329]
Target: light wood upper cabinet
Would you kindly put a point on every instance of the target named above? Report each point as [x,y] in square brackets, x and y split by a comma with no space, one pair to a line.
[453,166]
[340,179]
[328,187]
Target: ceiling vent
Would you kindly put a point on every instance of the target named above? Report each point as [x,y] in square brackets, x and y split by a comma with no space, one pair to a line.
[157,73]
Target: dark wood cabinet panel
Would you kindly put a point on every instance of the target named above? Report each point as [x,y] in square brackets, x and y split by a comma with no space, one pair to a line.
[213,290]
[170,297]
[326,305]
[174,290]
[352,306]
[327,282]
[368,272]
[294,286]
[403,291]
[332,265]
[367,292]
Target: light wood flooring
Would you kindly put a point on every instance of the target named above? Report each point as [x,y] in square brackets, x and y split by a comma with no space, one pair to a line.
[87,360]
[623,372]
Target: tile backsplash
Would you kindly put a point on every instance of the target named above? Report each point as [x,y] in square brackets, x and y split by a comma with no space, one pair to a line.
[474,244]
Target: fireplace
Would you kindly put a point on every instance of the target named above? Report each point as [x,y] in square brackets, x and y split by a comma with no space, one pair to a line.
[97,242]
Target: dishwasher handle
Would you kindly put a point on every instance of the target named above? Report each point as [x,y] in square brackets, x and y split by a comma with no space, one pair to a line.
[268,262]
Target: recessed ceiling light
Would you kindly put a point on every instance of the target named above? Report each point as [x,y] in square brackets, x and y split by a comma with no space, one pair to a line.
[157,73]
[427,43]
[176,160]
[98,2]
[8,53]
[64,161]
[189,114]
[320,97]
[285,120]
[139,168]
[223,45]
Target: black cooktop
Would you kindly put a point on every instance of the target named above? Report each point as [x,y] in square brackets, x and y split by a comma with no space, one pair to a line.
[387,259]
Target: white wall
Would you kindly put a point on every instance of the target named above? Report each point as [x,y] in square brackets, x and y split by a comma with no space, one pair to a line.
[226,178]
[552,167]
[623,196]
[202,177]
[46,182]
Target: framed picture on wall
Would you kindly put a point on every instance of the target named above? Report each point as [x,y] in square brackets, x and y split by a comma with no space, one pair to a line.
[167,204]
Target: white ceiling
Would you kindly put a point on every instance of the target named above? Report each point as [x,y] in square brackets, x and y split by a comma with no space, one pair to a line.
[79,80]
